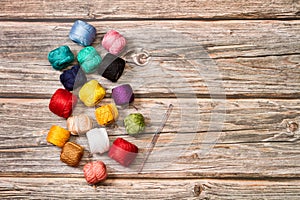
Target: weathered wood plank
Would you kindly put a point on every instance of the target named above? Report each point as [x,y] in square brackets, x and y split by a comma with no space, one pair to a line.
[131,9]
[254,116]
[239,58]
[185,149]
[76,188]
[246,160]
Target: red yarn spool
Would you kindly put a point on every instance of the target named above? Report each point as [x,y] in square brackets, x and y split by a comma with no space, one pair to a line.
[123,152]
[62,103]
[95,172]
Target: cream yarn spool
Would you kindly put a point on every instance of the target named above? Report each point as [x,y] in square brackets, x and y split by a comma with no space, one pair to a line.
[79,124]
[98,140]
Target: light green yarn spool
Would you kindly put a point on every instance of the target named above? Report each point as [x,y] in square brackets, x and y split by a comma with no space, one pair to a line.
[89,59]
[134,123]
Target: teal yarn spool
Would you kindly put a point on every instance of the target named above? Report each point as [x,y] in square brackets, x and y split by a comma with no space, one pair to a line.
[61,57]
[89,59]
[134,123]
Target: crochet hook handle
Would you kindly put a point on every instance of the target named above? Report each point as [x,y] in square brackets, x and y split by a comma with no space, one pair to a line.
[156,136]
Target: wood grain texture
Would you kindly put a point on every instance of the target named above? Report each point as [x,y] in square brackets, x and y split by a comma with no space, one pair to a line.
[239,58]
[146,9]
[238,150]
[230,68]
[76,188]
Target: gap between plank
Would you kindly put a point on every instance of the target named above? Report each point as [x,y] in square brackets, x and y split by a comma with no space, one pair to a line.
[275,96]
[71,20]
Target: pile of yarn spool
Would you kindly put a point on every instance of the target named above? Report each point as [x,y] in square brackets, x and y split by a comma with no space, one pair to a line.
[91,94]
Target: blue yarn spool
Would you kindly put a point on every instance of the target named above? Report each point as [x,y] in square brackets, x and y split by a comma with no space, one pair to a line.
[61,57]
[73,78]
[89,59]
[82,33]
[111,67]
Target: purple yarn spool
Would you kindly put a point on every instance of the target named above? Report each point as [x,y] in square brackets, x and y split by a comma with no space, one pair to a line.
[122,94]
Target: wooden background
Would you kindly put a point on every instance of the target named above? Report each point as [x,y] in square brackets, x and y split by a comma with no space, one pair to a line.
[255,46]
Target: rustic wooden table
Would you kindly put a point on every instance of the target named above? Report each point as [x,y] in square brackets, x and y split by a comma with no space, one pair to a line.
[237,146]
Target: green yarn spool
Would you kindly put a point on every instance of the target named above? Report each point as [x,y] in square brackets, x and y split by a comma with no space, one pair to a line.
[89,59]
[134,123]
[60,57]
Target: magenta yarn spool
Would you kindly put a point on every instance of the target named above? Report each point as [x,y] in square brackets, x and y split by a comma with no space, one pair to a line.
[122,94]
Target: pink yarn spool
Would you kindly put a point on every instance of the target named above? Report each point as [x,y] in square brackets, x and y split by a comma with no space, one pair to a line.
[95,172]
[113,42]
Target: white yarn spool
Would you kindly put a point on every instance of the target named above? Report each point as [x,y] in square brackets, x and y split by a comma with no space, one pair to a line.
[98,140]
[79,124]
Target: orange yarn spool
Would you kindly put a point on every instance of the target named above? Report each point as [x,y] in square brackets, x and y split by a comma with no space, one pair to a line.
[106,114]
[58,136]
[71,154]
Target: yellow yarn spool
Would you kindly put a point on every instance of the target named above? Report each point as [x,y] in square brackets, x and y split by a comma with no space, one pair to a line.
[106,114]
[91,93]
[58,136]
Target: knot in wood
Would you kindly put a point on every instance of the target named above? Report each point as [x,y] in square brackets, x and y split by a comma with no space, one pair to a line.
[293,127]
[197,190]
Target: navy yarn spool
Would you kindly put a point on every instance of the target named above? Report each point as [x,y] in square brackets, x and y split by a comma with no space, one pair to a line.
[82,33]
[73,78]
[111,67]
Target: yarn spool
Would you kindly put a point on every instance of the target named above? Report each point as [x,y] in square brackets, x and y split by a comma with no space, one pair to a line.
[58,136]
[73,78]
[95,172]
[98,140]
[61,57]
[71,154]
[113,42]
[106,114]
[79,124]
[82,33]
[134,123]
[122,94]
[91,93]
[89,59]
[111,67]
[123,152]
[62,103]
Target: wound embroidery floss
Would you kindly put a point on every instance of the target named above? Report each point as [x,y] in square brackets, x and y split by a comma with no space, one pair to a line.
[73,78]
[62,103]
[113,42]
[123,152]
[89,59]
[61,57]
[111,67]
[98,140]
[122,94]
[95,172]
[91,93]
[82,33]
[71,154]
[134,123]
[106,114]
[58,136]
[79,124]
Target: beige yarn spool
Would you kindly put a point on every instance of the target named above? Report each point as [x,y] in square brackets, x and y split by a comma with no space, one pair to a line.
[79,124]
